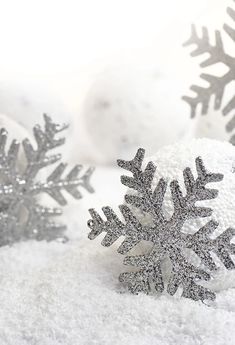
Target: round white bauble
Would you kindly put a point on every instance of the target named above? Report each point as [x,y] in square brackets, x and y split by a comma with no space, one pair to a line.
[218,157]
[25,103]
[129,107]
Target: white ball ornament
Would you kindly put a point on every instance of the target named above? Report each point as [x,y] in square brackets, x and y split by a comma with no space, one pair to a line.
[218,157]
[25,103]
[127,108]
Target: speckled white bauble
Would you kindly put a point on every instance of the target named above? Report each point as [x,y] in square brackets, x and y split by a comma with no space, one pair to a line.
[218,157]
[25,103]
[127,108]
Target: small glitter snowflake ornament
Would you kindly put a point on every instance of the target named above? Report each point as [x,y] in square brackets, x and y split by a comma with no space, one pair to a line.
[165,234]
[217,84]
[21,215]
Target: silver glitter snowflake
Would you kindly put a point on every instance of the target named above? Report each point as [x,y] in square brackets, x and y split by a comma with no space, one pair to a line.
[165,234]
[21,215]
[217,84]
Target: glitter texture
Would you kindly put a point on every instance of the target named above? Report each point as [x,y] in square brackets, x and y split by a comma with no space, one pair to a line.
[21,216]
[217,84]
[165,234]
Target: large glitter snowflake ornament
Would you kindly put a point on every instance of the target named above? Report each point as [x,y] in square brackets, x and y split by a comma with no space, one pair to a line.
[21,215]
[165,234]
[217,84]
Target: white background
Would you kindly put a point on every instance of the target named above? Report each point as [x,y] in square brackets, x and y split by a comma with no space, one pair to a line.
[61,44]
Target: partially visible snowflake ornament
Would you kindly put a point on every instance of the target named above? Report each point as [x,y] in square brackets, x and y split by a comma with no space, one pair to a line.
[165,232]
[217,84]
[21,215]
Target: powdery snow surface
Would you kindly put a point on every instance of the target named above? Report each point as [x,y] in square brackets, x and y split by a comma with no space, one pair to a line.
[69,294]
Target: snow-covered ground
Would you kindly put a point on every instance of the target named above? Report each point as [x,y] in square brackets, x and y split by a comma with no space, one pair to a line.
[63,294]
[54,294]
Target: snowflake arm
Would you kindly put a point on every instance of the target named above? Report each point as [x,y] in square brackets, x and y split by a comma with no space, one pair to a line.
[46,140]
[184,274]
[115,228]
[141,182]
[202,245]
[184,206]
[150,271]
[55,184]
[230,31]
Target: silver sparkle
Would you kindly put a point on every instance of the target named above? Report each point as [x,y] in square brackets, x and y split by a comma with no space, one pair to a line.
[217,84]
[21,215]
[166,236]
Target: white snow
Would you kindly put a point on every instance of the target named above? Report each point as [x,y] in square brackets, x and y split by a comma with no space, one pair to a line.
[68,294]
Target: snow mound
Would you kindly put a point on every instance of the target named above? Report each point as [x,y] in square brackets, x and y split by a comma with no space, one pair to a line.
[76,300]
